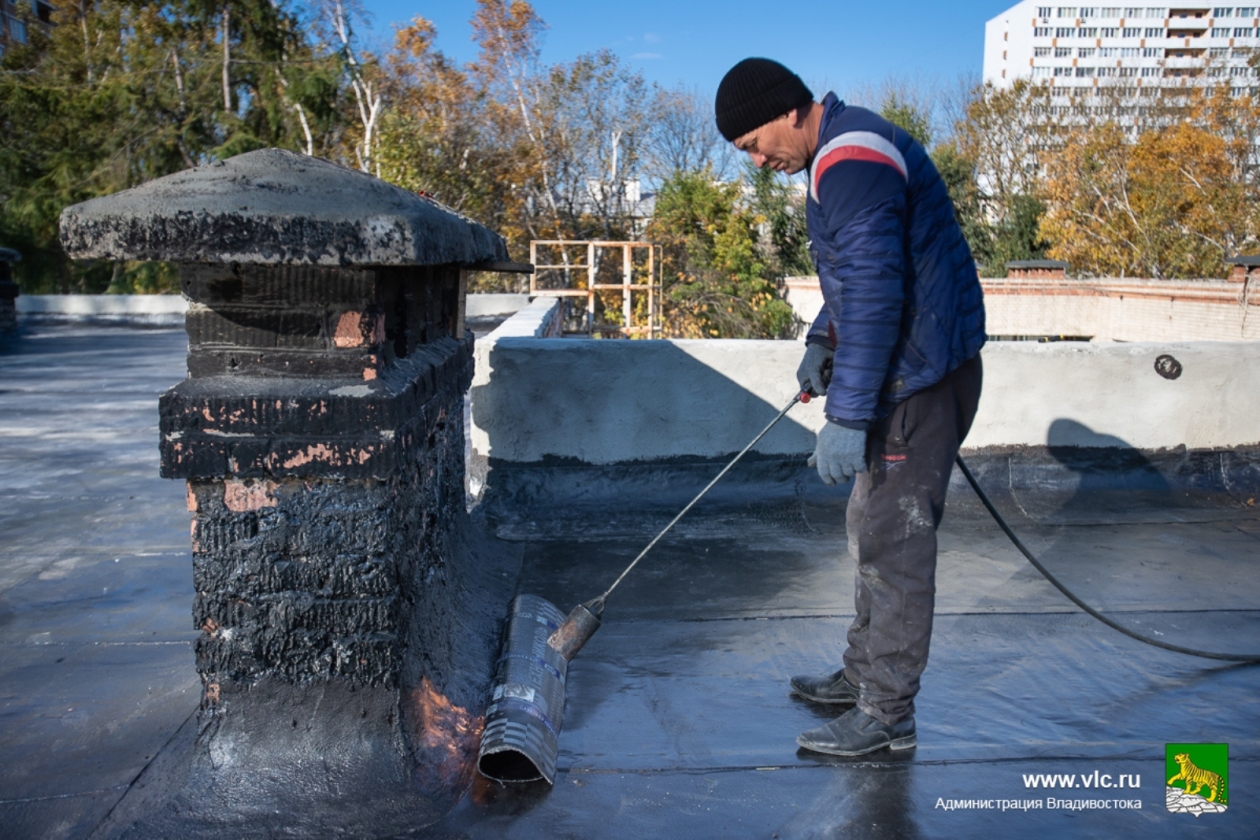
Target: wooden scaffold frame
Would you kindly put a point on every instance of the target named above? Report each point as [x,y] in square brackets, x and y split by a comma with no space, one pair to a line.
[627,286]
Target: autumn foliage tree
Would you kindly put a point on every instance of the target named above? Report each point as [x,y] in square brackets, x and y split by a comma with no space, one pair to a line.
[1174,203]
[715,275]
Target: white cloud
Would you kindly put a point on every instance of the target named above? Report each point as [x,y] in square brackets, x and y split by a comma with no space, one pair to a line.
[645,55]
[651,37]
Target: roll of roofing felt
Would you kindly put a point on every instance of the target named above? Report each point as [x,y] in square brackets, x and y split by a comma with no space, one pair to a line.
[521,738]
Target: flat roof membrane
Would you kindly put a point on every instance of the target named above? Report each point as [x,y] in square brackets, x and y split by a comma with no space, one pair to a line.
[678,720]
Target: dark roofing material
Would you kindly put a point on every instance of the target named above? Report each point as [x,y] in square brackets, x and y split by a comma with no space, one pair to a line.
[274,206]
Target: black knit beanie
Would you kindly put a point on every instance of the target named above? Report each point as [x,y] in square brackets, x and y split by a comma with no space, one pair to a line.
[754,92]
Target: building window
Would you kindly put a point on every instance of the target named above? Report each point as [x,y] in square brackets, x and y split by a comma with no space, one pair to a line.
[1152,52]
[1062,52]
[1216,72]
[1155,13]
[1238,71]
[1041,52]
[1154,33]
[1244,53]
[1067,11]
[1111,11]
[1063,71]
[1220,31]
[1130,52]
[1110,32]
[1128,71]
[1043,11]
[1041,32]
[1150,71]
[1132,32]
[1040,72]
[1082,72]
[1088,12]
[1064,32]
[1108,52]
[17,30]
[1107,71]
[1245,11]
[1218,52]
[1223,12]
[1131,12]
[1089,32]
[1244,32]
[1085,52]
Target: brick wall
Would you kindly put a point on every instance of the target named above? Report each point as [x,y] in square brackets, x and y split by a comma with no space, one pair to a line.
[1120,310]
[8,296]
[1124,310]
[321,432]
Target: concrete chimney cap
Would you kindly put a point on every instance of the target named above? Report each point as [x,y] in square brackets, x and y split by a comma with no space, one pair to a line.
[1034,264]
[272,207]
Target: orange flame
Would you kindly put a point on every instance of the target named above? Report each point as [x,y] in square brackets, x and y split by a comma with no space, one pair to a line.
[450,731]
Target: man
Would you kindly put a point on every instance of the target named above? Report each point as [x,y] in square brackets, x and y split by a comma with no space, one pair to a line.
[895,350]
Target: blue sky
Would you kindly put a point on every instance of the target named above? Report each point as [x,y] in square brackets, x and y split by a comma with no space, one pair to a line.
[831,45]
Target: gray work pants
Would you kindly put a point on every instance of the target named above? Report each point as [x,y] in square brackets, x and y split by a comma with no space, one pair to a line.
[892,519]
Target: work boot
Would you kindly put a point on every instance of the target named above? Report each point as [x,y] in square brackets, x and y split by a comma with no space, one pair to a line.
[833,688]
[857,733]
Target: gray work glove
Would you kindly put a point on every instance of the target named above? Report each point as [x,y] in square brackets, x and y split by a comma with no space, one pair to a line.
[840,453]
[815,370]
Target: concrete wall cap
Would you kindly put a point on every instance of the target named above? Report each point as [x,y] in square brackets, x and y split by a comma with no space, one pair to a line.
[273,206]
[1036,264]
[1248,260]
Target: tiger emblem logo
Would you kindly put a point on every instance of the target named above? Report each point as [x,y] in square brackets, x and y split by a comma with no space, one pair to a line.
[1196,778]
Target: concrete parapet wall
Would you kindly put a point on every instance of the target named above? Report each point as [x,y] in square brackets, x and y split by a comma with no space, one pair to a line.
[489,305]
[102,306]
[539,318]
[606,402]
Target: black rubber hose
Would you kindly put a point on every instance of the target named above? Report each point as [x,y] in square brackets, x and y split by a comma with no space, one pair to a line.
[975,485]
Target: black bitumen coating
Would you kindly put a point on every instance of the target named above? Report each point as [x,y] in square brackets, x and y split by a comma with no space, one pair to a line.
[678,720]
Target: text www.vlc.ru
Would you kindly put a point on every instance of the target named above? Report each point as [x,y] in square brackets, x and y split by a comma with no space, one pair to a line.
[1071,780]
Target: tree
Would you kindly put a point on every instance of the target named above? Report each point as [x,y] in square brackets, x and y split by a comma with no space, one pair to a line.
[904,113]
[682,136]
[785,237]
[1002,134]
[591,110]
[434,136]
[713,275]
[1175,203]
[959,174]
[119,93]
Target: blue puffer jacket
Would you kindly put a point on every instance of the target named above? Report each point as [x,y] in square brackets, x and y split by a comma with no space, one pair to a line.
[903,305]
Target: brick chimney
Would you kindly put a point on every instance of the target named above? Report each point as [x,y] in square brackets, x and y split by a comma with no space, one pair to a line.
[1242,267]
[321,435]
[8,291]
[1036,270]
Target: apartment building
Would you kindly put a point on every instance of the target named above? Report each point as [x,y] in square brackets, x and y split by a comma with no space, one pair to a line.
[1140,50]
[17,17]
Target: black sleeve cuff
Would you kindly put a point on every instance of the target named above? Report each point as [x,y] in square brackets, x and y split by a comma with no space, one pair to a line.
[860,425]
[818,339]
